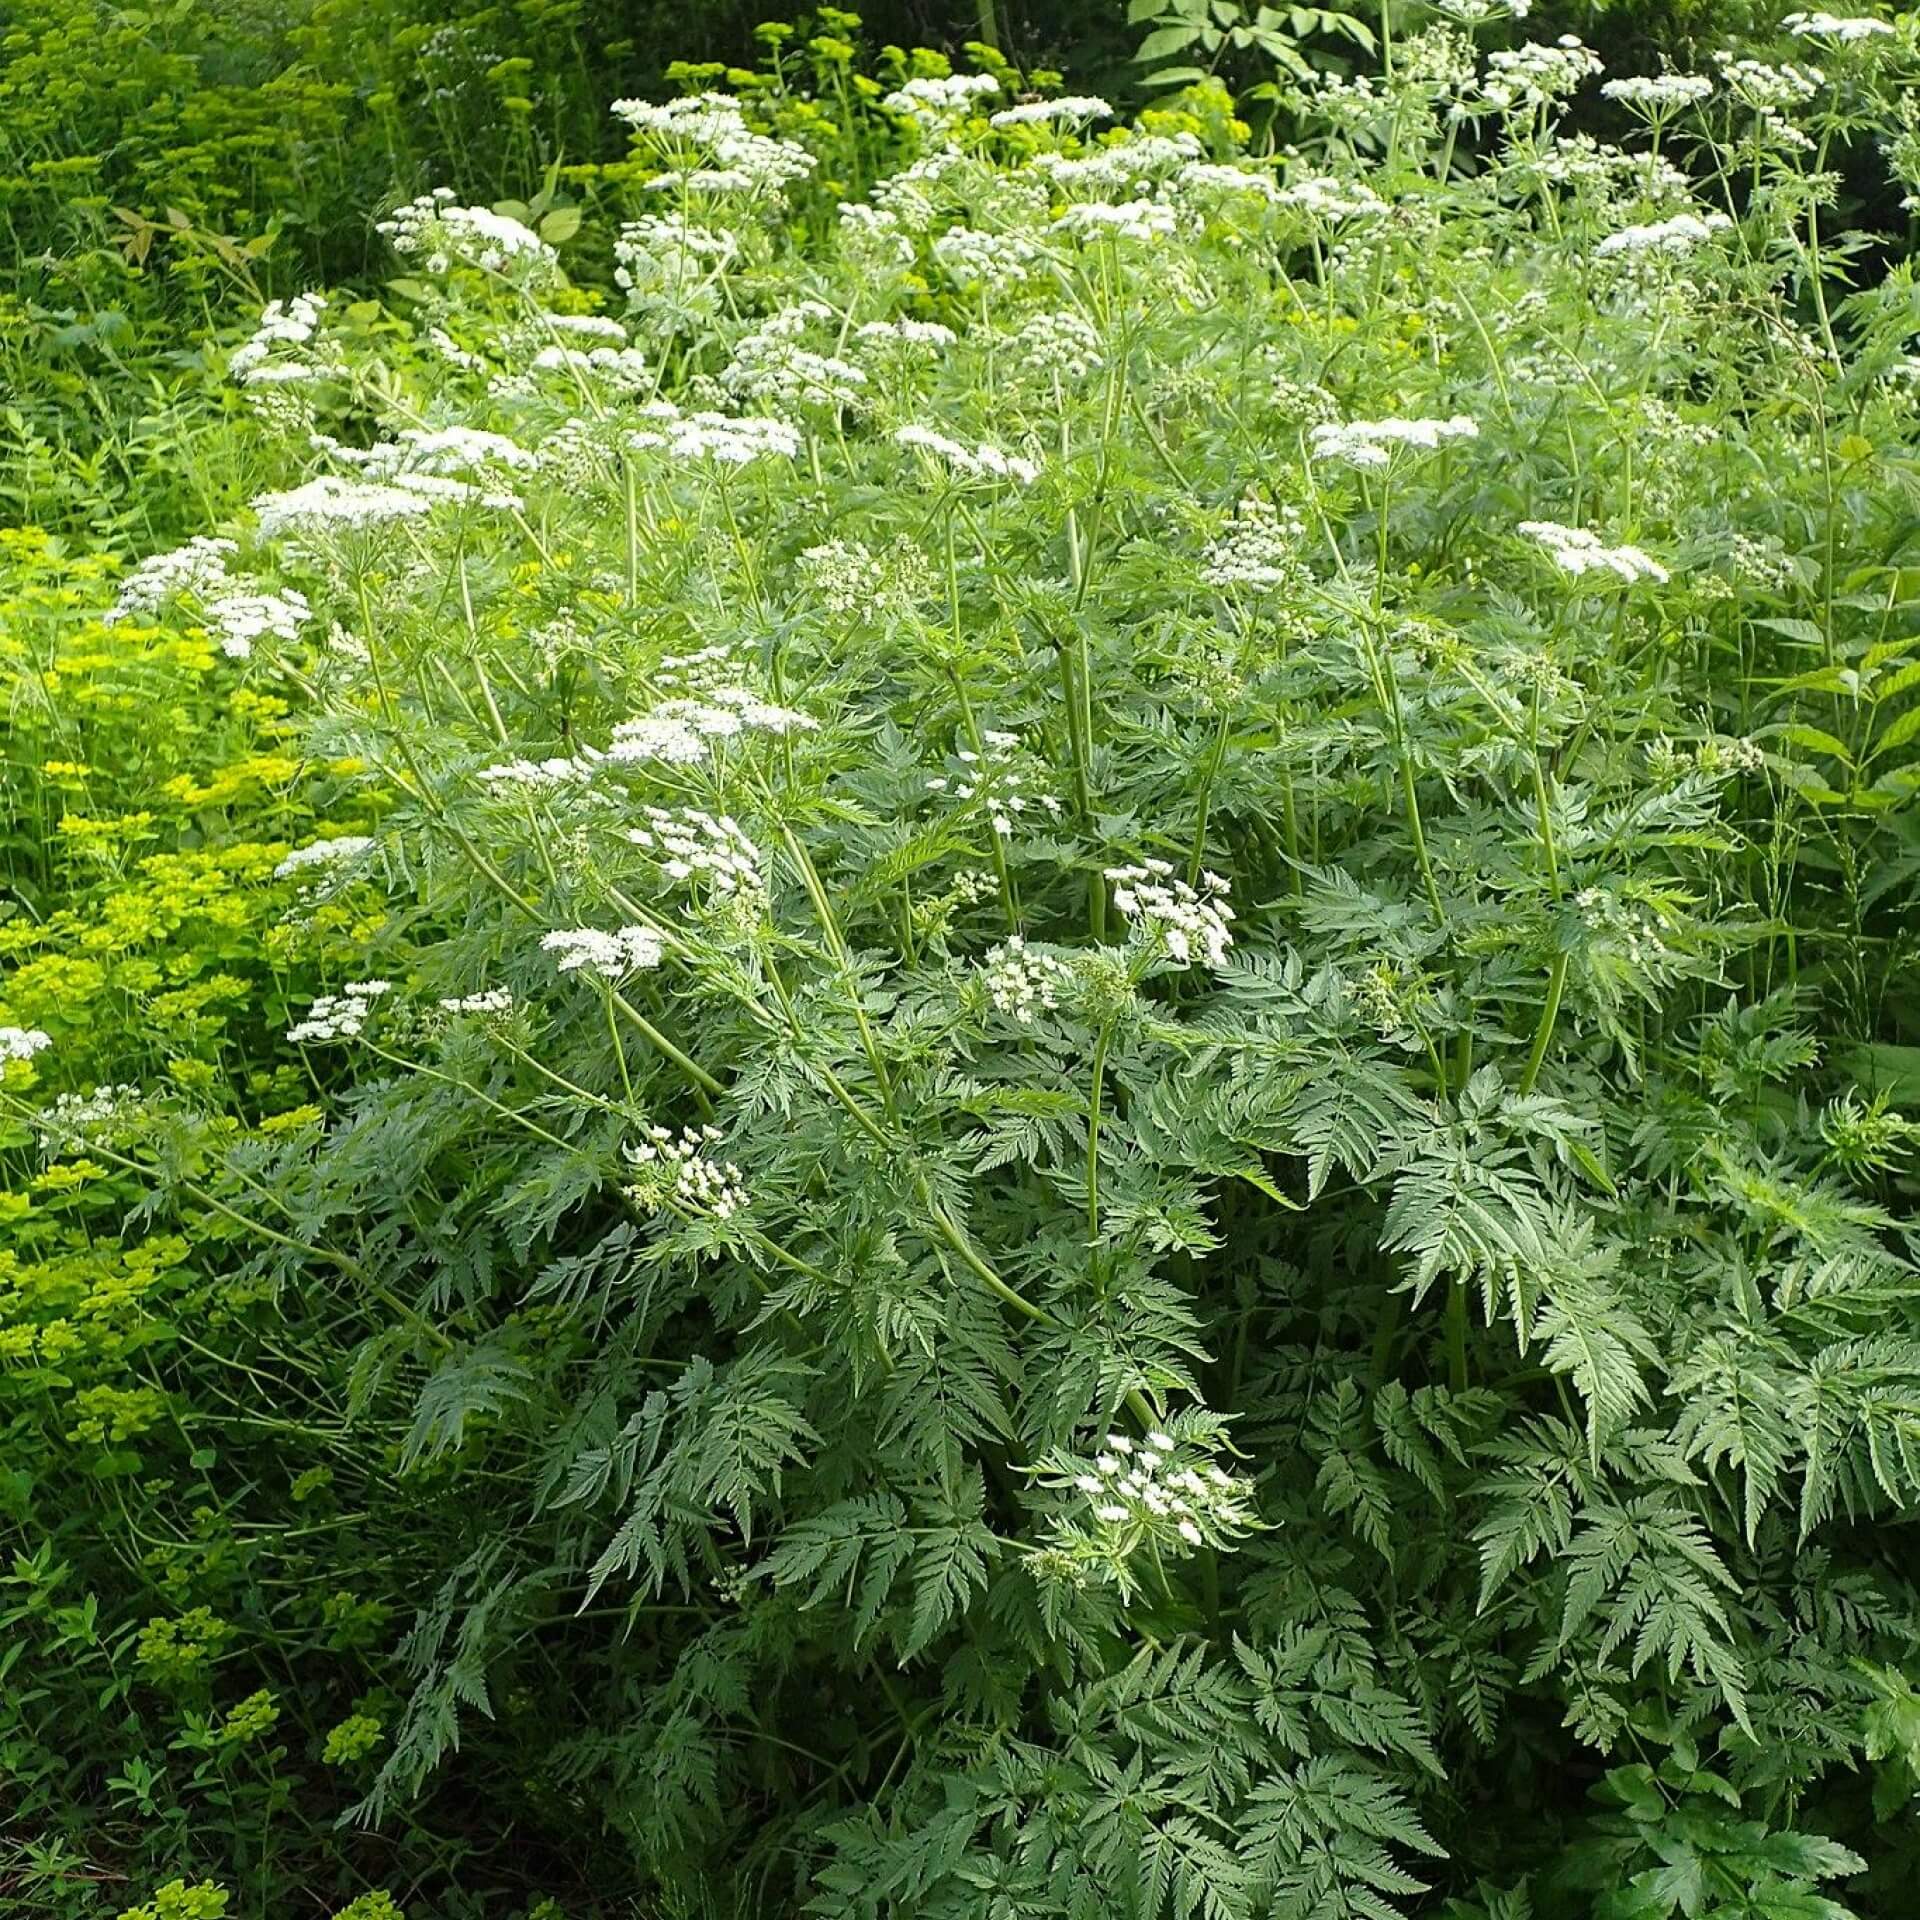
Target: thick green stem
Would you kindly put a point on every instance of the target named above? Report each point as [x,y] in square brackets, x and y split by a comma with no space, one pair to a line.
[1549,1016]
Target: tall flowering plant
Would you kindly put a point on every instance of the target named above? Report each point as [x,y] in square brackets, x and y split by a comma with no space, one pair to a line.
[1112,1118]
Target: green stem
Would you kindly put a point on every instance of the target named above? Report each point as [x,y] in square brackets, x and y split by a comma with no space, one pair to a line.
[1549,1015]
[1093,1133]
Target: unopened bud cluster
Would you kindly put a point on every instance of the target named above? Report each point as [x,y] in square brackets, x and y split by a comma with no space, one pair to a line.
[1022,982]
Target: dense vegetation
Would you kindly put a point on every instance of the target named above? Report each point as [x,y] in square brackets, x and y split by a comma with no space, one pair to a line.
[918,1001]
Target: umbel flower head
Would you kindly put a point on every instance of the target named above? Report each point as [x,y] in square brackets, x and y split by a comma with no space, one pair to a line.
[679,1172]
[1373,443]
[339,1016]
[22,1043]
[1192,924]
[611,956]
[1575,550]
[1163,1496]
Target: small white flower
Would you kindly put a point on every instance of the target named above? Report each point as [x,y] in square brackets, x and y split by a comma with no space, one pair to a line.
[1074,109]
[934,102]
[1849,29]
[1258,549]
[981,462]
[339,851]
[331,501]
[1673,237]
[490,1000]
[199,568]
[1331,199]
[1373,443]
[1577,551]
[1141,220]
[339,1016]
[1021,983]
[1191,924]
[682,1173]
[1659,93]
[678,732]
[610,955]
[22,1043]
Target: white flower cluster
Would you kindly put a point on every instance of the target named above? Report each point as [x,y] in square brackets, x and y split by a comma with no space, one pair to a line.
[490,1000]
[1160,1491]
[682,1171]
[289,324]
[588,326]
[619,369]
[1135,168]
[436,232]
[972,257]
[1207,182]
[664,259]
[769,364]
[734,440]
[872,238]
[732,158]
[22,1043]
[1761,559]
[1021,982]
[695,844]
[1577,551]
[1141,220]
[845,574]
[1069,110]
[1771,91]
[338,851]
[75,1116]
[610,955]
[332,501]
[560,771]
[241,619]
[1673,238]
[678,732]
[1060,344]
[1848,29]
[905,336]
[339,1016]
[1372,443]
[938,102]
[1332,200]
[1659,94]
[198,568]
[1536,75]
[1605,173]
[453,463]
[996,777]
[1191,924]
[981,462]
[1259,547]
